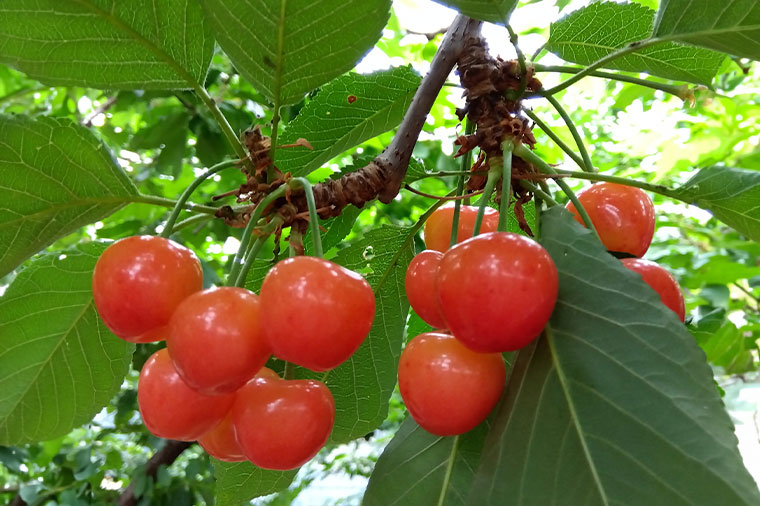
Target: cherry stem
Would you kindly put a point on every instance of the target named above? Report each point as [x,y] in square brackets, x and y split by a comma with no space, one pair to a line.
[530,157]
[313,216]
[469,128]
[290,371]
[446,198]
[506,180]
[541,194]
[493,175]
[587,165]
[237,262]
[169,227]
[255,248]
[553,136]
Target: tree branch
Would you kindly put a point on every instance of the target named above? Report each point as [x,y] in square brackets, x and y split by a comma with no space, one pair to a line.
[165,456]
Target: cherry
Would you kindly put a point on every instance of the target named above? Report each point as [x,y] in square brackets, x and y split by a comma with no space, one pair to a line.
[282,424]
[215,339]
[438,226]
[315,313]
[420,287]
[139,281]
[171,409]
[623,216]
[497,291]
[220,442]
[448,388]
[661,281]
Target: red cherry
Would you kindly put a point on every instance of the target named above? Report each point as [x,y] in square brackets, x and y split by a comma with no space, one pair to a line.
[661,282]
[220,442]
[438,226]
[215,340]
[623,216]
[139,281]
[315,313]
[420,287]
[497,291]
[282,424]
[448,388]
[171,409]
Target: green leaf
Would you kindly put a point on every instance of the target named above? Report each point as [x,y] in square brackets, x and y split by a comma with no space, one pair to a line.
[346,112]
[107,44]
[614,404]
[495,11]
[239,482]
[732,195]
[56,177]
[723,343]
[731,26]
[593,32]
[412,468]
[59,365]
[286,48]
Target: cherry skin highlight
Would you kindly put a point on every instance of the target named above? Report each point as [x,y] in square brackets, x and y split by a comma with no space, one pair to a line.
[420,287]
[497,291]
[661,281]
[170,409]
[448,388]
[282,424]
[215,339]
[623,216]
[438,226]
[139,281]
[315,313]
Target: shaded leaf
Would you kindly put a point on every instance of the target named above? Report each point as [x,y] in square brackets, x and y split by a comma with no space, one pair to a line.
[593,32]
[614,404]
[731,26]
[495,11]
[56,177]
[732,195]
[59,364]
[239,482]
[107,44]
[345,113]
[287,49]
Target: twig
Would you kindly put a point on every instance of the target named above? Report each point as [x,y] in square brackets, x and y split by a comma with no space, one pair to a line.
[438,197]
[165,456]
[100,110]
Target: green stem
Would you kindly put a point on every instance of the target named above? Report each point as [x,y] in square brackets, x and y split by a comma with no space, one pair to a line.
[225,126]
[545,196]
[449,472]
[623,51]
[530,157]
[466,162]
[164,202]
[671,89]
[553,136]
[589,167]
[189,222]
[189,191]
[290,371]
[250,258]
[654,188]
[493,175]
[237,262]
[506,182]
[520,60]
[313,216]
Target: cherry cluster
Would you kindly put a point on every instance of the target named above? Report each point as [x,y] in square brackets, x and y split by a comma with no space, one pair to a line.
[487,294]
[210,384]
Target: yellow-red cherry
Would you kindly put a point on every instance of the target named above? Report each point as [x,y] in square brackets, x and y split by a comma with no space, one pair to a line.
[282,424]
[420,287]
[314,312]
[497,291]
[438,226]
[448,388]
[623,216]
[661,281]
[139,281]
[171,409]
[215,339]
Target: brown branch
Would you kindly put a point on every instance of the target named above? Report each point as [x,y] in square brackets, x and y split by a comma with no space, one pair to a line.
[100,110]
[165,456]
[17,501]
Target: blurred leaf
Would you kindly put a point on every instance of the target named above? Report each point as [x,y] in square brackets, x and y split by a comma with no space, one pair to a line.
[287,49]
[593,32]
[732,195]
[731,26]
[616,392]
[723,270]
[59,365]
[169,134]
[239,482]
[57,177]
[495,11]
[106,44]
[346,112]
